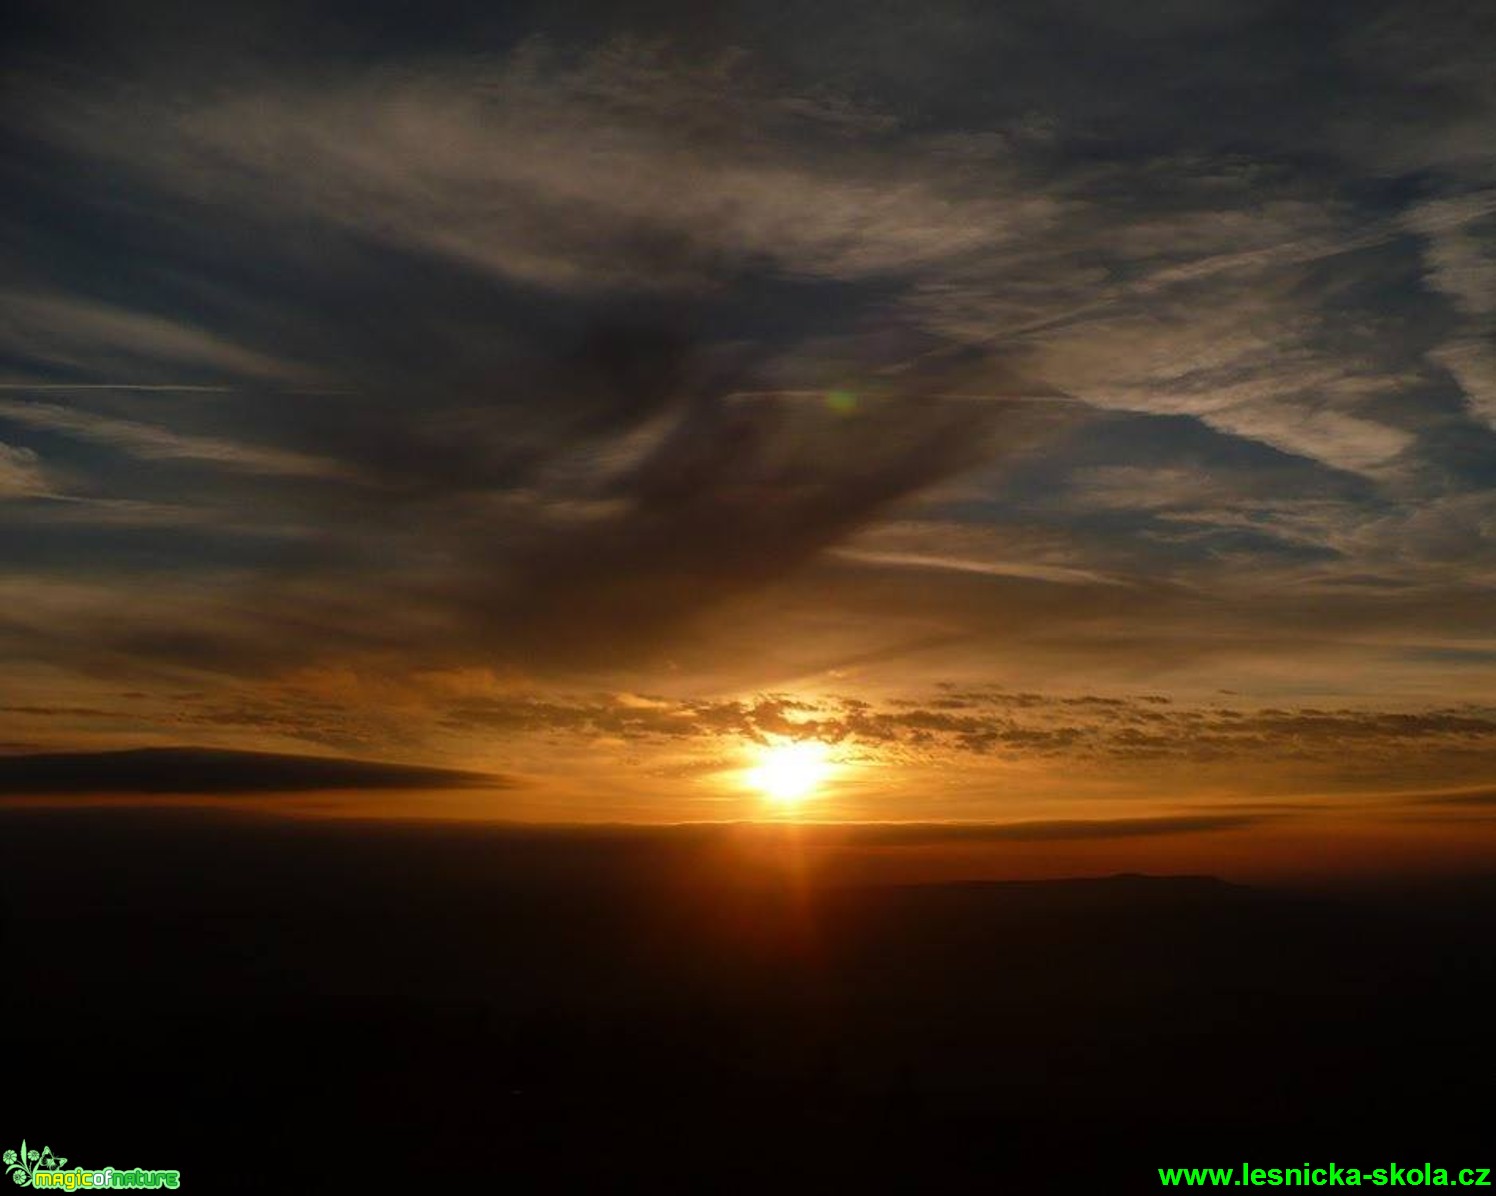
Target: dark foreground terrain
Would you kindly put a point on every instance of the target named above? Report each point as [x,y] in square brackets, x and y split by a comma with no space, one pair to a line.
[280,1007]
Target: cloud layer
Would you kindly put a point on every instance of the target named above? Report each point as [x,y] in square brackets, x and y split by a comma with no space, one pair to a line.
[206,771]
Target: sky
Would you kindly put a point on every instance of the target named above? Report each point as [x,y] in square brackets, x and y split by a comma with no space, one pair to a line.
[1078,419]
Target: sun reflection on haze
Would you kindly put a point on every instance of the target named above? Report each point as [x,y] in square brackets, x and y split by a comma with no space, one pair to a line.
[790,773]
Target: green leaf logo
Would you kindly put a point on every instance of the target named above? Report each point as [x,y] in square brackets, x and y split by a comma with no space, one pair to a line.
[22,1165]
[16,1163]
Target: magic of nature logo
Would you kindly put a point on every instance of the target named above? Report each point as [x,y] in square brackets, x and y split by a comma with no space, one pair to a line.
[42,1168]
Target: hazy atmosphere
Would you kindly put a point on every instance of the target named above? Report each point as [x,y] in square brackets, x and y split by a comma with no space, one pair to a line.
[790,444]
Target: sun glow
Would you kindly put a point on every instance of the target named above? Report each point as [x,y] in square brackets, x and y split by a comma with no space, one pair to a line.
[789,773]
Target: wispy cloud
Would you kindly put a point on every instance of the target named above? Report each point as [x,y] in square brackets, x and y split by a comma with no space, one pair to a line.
[74,333]
[156,443]
[21,473]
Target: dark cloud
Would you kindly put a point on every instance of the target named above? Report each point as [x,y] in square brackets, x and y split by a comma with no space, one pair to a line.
[920,834]
[1470,797]
[210,771]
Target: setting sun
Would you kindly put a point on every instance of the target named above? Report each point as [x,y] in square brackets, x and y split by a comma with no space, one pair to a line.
[790,773]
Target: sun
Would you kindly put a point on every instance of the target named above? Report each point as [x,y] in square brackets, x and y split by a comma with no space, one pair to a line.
[789,773]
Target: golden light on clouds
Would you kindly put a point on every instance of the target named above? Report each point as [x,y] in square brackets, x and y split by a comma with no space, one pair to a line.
[789,774]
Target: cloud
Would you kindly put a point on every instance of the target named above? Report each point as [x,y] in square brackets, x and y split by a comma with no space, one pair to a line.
[1437,52]
[1064,830]
[615,171]
[1462,797]
[21,474]
[1459,234]
[1240,362]
[961,548]
[977,721]
[214,771]
[155,444]
[78,334]
[837,347]
[618,170]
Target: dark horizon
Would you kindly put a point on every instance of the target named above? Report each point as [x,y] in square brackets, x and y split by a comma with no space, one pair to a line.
[544,1009]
